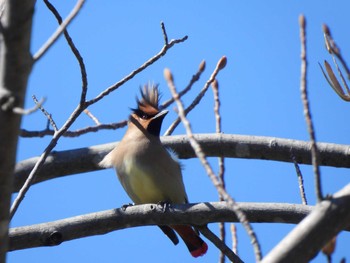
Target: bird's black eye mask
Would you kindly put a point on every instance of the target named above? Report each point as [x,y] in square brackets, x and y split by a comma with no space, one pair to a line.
[142,114]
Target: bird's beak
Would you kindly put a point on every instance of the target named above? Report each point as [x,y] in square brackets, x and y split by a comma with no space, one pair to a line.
[161,114]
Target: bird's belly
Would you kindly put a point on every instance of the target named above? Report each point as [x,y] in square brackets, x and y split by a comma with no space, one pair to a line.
[141,186]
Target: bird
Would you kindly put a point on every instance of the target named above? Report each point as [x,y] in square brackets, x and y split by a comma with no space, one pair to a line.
[149,172]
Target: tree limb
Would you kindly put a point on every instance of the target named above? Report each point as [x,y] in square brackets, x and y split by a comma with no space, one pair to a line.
[327,219]
[56,232]
[227,145]
[15,66]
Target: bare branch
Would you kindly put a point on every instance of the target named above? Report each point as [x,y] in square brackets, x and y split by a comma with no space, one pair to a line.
[115,86]
[307,113]
[300,180]
[21,111]
[47,115]
[328,218]
[76,133]
[189,86]
[201,156]
[221,160]
[234,237]
[220,244]
[165,35]
[59,30]
[92,117]
[220,65]
[74,50]
[62,163]
[108,126]
[56,232]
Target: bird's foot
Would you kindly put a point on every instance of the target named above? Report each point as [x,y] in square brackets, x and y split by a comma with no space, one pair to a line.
[164,205]
[125,206]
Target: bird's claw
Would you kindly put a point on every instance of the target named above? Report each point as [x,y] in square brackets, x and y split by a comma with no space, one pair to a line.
[164,205]
[125,206]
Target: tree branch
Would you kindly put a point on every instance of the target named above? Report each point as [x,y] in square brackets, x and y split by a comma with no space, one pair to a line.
[220,244]
[206,165]
[56,232]
[307,112]
[59,30]
[227,145]
[327,219]
[15,66]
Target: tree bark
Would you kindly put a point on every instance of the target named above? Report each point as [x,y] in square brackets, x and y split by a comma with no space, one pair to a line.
[56,232]
[15,66]
[227,145]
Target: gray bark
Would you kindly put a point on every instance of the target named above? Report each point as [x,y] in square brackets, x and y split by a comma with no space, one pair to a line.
[227,145]
[15,66]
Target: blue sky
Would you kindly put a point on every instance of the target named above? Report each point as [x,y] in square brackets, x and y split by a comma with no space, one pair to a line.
[259,91]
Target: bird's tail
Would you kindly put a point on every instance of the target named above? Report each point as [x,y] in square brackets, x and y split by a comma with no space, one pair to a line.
[194,243]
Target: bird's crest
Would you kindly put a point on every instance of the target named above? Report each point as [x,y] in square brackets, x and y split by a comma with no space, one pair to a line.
[148,103]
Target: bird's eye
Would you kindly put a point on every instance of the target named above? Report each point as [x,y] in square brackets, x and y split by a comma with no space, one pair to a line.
[144,116]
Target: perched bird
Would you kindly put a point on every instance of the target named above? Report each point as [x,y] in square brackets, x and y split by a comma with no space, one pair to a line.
[146,169]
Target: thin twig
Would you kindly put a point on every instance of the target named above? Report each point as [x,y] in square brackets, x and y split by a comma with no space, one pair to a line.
[199,153]
[300,180]
[165,35]
[74,50]
[219,244]
[234,238]
[115,86]
[21,111]
[48,115]
[307,113]
[71,134]
[194,78]
[221,160]
[220,65]
[59,30]
[93,117]
[109,126]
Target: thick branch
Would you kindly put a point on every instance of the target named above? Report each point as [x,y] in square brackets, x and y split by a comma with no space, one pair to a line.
[56,232]
[326,220]
[226,145]
[15,66]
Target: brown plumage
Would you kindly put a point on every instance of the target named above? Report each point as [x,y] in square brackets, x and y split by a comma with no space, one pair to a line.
[146,170]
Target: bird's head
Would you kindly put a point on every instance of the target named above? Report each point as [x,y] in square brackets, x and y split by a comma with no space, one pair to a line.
[147,114]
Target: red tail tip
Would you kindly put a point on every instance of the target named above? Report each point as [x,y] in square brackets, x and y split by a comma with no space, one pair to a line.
[200,251]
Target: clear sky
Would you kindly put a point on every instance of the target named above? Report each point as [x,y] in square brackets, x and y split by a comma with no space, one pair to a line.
[259,91]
